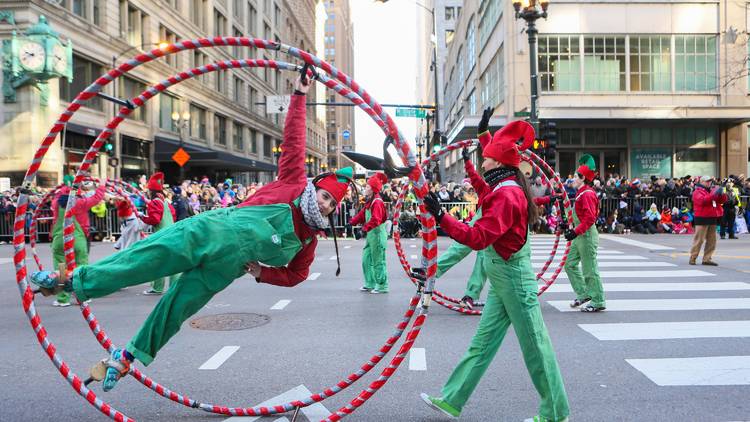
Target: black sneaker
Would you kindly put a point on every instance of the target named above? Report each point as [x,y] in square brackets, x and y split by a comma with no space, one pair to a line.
[592,308]
[578,302]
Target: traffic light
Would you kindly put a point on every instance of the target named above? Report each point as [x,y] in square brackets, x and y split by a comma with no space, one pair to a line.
[548,135]
[109,148]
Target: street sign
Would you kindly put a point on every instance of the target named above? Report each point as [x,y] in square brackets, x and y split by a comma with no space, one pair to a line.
[419,113]
[277,103]
[522,114]
[346,134]
[180,157]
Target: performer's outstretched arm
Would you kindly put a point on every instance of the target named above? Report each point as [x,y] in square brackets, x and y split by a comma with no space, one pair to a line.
[292,161]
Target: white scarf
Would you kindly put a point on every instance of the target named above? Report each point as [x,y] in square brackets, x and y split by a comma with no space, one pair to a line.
[310,210]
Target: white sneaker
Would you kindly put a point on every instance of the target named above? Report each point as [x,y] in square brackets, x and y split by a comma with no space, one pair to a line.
[152,292]
[60,304]
[365,289]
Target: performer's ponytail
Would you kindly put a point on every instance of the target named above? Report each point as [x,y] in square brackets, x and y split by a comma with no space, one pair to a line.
[532,211]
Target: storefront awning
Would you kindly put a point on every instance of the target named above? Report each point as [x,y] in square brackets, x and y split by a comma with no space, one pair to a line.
[466,128]
[203,156]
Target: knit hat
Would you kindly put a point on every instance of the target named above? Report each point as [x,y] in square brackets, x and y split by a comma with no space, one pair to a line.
[336,183]
[376,182]
[587,167]
[156,182]
[507,143]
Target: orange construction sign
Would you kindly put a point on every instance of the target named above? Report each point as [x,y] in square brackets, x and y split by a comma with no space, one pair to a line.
[181,157]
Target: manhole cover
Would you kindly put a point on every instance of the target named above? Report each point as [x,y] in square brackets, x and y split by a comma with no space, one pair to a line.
[230,322]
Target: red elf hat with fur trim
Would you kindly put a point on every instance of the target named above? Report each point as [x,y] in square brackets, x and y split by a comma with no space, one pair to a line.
[507,143]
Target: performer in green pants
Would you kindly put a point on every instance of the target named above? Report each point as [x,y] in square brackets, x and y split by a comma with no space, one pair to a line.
[272,236]
[160,214]
[502,234]
[373,216]
[585,241]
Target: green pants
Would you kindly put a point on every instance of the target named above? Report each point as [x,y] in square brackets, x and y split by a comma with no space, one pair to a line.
[586,284]
[210,250]
[455,253]
[373,259]
[80,246]
[166,221]
[511,299]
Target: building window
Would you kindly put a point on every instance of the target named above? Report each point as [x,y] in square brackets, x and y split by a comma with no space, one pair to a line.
[255,108]
[569,136]
[167,105]
[198,13]
[604,63]
[267,7]
[239,87]
[237,49]
[460,65]
[238,137]
[470,47]
[130,88]
[695,150]
[276,16]
[252,20]
[560,63]
[237,10]
[493,81]
[220,23]
[200,59]
[168,36]
[606,136]
[472,100]
[266,32]
[488,21]
[197,122]
[79,8]
[253,141]
[651,136]
[85,72]
[695,63]
[220,130]
[650,63]
[221,81]
[136,21]
[267,145]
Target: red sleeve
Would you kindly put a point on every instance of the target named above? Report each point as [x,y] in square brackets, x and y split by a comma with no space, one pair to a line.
[701,196]
[586,209]
[359,218]
[377,215]
[292,160]
[84,204]
[154,212]
[485,231]
[720,199]
[541,200]
[480,186]
[295,272]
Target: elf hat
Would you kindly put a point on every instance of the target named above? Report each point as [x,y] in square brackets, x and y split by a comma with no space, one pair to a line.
[156,182]
[587,167]
[376,181]
[336,183]
[507,143]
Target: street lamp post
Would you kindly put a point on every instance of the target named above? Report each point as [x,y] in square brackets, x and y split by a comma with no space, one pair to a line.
[277,153]
[181,122]
[530,11]
[309,162]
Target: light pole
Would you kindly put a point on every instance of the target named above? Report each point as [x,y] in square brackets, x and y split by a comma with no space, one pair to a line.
[309,162]
[181,122]
[530,11]
[277,153]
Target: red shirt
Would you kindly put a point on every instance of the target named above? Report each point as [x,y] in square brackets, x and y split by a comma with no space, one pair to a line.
[288,187]
[587,208]
[80,208]
[155,211]
[377,214]
[707,203]
[504,222]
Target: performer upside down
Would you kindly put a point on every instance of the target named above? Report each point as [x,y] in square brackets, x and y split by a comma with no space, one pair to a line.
[272,236]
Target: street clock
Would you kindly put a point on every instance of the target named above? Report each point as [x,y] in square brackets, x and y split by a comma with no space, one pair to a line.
[34,58]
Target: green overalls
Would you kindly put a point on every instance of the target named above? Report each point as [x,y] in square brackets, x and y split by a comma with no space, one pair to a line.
[58,249]
[583,248]
[166,221]
[373,256]
[210,250]
[511,299]
[457,252]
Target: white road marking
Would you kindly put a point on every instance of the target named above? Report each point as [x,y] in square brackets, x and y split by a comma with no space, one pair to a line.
[711,370]
[417,359]
[664,304]
[414,257]
[559,254]
[412,246]
[659,287]
[347,247]
[282,419]
[6,260]
[636,243]
[220,357]
[313,276]
[333,258]
[650,274]
[668,330]
[314,412]
[621,264]
[281,304]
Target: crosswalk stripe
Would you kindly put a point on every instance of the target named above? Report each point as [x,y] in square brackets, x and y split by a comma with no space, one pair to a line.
[314,412]
[219,358]
[668,330]
[332,258]
[636,243]
[558,256]
[281,304]
[659,287]
[417,359]
[664,304]
[623,263]
[650,274]
[712,370]
[313,276]
[347,247]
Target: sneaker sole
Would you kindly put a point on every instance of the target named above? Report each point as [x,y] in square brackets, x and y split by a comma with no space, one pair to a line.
[426,399]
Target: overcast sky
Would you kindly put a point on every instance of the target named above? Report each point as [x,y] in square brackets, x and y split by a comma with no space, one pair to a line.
[384,65]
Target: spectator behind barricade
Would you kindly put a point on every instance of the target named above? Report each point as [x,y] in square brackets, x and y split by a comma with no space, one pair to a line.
[653,218]
[538,189]
[443,194]
[180,204]
[639,221]
[666,220]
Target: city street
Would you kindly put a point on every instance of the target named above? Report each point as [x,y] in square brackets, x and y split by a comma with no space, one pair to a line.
[672,346]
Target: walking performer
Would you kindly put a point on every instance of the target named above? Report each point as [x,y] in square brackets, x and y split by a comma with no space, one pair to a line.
[82,224]
[585,241]
[374,215]
[160,214]
[272,236]
[502,233]
[708,211]
[131,227]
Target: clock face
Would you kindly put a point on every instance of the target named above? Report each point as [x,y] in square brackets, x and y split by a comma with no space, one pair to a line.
[59,58]
[31,55]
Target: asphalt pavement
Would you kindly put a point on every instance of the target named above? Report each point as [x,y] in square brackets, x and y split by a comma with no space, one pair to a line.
[674,344]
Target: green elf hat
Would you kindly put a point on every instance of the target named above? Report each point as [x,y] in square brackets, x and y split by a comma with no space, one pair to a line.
[336,183]
[587,167]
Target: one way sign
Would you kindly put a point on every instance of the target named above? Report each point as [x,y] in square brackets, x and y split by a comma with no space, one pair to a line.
[277,103]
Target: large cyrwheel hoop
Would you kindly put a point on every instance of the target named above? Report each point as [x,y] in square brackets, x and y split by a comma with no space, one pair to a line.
[339,81]
[541,168]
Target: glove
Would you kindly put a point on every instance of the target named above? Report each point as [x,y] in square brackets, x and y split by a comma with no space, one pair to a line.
[419,273]
[484,122]
[465,154]
[563,226]
[432,203]
[570,235]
